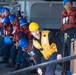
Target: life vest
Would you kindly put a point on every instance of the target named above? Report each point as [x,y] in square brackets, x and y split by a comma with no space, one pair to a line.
[68,20]
[45,48]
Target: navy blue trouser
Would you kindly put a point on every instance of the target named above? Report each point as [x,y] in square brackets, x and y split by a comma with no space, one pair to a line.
[1,29]
[50,69]
[25,59]
[6,51]
[13,53]
[22,58]
[1,43]
[19,55]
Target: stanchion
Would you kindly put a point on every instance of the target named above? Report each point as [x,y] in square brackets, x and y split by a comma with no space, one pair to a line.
[41,65]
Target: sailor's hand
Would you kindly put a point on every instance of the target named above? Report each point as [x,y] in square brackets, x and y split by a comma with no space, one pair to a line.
[59,56]
[23,49]
[39,71]
[31,58]
[17,45]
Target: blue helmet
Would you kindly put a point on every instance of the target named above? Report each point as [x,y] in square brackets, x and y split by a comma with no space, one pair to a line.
[7,40]
[1,10]
[65,1]
[23,42]
[6,19]
[5,9]
[23,22]
[12,17]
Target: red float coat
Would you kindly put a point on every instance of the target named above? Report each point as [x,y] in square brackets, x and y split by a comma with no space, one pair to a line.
[68,20]
[1,20]
[26,31]
[8,29]
[17,30]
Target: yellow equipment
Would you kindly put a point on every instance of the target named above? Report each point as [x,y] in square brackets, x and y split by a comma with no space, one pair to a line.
[45,48]
[33,26]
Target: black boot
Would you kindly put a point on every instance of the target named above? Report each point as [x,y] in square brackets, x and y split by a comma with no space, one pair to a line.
[10,64]
[4,61]
[17,67]
[1,54]
[21,66]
